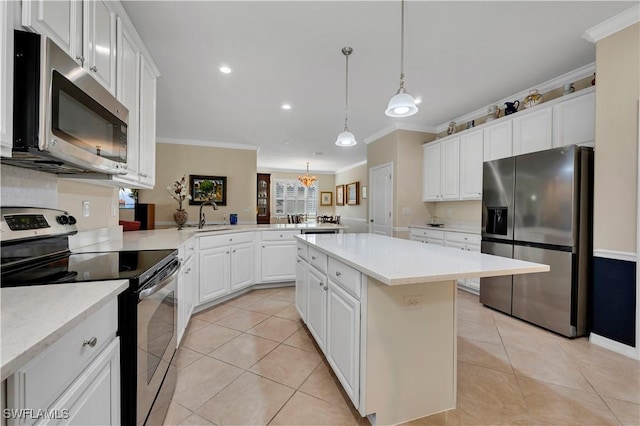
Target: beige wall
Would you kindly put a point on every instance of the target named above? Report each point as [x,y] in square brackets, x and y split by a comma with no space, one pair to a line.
[173,161]
[325,183]
[354,216]
[459,211]
[103,203]
[616,156]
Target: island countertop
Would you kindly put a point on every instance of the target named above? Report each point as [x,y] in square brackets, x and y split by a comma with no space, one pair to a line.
[395,261]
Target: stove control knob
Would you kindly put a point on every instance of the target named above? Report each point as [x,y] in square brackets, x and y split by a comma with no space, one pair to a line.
[72,220]
[62,220]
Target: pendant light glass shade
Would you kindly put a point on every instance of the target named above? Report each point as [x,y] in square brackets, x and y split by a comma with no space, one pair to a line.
[401,104]
[346,138]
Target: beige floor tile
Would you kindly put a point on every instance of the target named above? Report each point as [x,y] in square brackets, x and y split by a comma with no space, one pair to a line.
[185,356]
[610,381]
[476,313]
[288,294]
[439,419]
[491,387]
[627,412]
[301,339]
[274,328]
[290,312]
[483,354]
[564,406]
[303,409]
[244,351]
[529,338]
[322,384]
[268,306]
[242,320]
[470,412]
[589,355]
[249,400]
[266,292]
[478,331]
[201,380]
[195,324]
[556,369]
[174,416]
[287,365]
[208,338]
[195,420]
[216,313]
[245,300]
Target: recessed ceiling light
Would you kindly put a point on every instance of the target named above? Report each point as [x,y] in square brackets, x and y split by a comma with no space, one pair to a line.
[418,100]
[286,106]
[225,69]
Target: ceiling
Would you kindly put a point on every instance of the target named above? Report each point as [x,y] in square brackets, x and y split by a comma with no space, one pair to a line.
[459,56]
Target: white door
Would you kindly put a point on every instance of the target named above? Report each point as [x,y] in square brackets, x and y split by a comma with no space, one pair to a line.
[214,273]
[381,199]
[278,261]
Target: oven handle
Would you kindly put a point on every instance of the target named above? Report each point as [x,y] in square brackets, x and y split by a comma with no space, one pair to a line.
[151,290]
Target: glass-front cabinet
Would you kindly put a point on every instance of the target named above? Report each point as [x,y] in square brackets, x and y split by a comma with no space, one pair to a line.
[264,184]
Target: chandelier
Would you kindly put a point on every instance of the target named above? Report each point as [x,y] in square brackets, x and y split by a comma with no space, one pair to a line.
[307,180]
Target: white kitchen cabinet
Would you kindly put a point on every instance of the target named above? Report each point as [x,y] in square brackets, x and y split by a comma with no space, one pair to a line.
[241,266]
[343,338]
[532,131]
[278,256]
[301,287]
[147,159]
[430,236]
[441,170]
[466,242]
[317,290]
[187,283]
[99,42]
[471,151]
[498,141]
[574,121]
[60,20]
[6,78]
[215,271]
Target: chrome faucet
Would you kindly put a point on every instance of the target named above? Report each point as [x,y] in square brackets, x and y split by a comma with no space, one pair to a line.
[201,222]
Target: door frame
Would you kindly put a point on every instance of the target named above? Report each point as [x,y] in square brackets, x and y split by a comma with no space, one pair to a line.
[372,190]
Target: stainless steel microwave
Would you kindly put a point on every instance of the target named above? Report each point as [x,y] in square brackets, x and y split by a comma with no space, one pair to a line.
[64,121]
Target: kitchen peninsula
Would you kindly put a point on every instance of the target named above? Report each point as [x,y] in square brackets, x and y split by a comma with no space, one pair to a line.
[383,311]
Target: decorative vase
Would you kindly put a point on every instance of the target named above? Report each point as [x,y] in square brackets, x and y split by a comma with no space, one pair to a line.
[534,98]
[511,107]
[180,217]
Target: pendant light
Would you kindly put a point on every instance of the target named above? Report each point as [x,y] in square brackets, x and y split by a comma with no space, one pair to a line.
[307,180]
[402,104]
[346,138]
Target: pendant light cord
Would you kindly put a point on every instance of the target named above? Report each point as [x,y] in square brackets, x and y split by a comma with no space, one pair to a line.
[346,51]
[401,48]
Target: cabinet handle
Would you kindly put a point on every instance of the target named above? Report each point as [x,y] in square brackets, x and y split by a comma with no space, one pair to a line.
[325,288]
[298,260]
[321,284]
[299,248]
[227,251]
[234,250]
[94,68]
[263,246]
[338,273]
[230,239]
[90,342]
[280,235]
[313,258]
[81,59]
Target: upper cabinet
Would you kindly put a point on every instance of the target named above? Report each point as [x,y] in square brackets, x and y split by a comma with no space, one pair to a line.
[471,148]
[574,121]
[61,21]
[6,78]
[441,170]
[147,164]
[99,42]
[498,141]
[532,131]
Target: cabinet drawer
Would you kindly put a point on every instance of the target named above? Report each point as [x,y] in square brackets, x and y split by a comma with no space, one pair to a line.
[279,235]
[212,241]
[303,250]
[461,237]
[346,276]
[318,259]
[186,250]
[44,378]
[427,233]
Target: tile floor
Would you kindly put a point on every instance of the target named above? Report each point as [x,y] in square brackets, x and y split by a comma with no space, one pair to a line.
[251,361]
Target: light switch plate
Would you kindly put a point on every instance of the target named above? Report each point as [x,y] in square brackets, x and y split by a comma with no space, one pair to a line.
[86,212]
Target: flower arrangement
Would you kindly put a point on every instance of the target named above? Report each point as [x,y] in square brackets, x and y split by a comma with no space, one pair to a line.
[179,191]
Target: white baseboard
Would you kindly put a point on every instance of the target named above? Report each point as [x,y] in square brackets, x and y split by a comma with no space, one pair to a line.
[614,346]
[616,255]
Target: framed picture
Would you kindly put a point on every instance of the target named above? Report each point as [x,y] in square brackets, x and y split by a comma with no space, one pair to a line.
[208,188]
[326,198]
[340,195]
[353,190]
[363,192]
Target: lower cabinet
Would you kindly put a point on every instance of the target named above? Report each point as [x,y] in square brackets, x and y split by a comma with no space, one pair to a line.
[467,242]
[187,297]
[301,287]
[317,306]
[278,257]
[214,273]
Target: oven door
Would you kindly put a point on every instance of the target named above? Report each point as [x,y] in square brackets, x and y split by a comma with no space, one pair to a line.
[156,344]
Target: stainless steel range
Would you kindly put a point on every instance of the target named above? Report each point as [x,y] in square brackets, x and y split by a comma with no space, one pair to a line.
[35,251]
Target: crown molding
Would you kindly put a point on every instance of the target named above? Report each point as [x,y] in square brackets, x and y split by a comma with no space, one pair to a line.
[353,166]
[554,83]
[399,126]
[613,24]
[295,171]
[208,144]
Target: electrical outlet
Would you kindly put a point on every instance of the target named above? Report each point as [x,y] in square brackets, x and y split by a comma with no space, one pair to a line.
[412,302]
[86,211]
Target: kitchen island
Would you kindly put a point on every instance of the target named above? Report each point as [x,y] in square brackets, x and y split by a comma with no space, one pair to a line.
[383,311]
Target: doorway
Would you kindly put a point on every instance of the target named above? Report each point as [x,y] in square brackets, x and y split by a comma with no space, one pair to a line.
[381,199]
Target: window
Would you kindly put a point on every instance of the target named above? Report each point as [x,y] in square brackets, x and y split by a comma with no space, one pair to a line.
[293,198]
[127,198]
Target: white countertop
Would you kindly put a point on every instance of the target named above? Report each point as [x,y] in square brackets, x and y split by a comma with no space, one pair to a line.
[395,261]
[452,228]
[34,317]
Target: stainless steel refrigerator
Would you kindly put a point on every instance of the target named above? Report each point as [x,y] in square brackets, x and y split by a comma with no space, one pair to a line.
[539,207]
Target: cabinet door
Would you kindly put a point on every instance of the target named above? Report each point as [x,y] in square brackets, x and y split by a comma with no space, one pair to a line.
[241,266]
[471,166]
[94,398]
[574,121]
[498,141]
[532,132]
[343,339]
[263,201]
[214,273]
[61,21]
[278,261]
[431,171]
[147,124]
[6,78]
[301,288]
[128,92]
[317,305]
[450,173]
[99,35]
[185,296]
